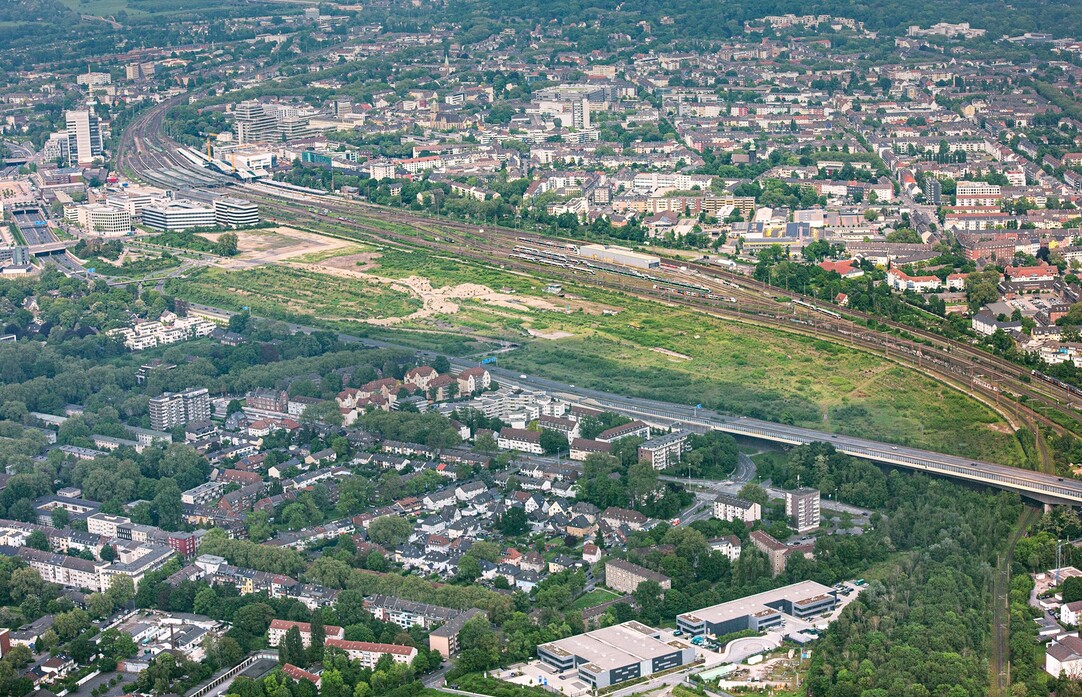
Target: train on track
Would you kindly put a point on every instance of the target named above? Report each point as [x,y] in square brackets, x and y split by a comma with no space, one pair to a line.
[1058,383]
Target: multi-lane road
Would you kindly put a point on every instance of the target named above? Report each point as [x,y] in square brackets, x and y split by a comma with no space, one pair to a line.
[1041,487]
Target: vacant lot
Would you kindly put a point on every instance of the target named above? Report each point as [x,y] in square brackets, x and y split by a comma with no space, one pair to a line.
[604,340]
[288,293]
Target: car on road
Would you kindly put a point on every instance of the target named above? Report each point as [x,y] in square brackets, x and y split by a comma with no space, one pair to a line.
[521,377]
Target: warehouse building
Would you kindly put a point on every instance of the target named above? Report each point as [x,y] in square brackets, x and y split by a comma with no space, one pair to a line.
[760,611]
[616,654]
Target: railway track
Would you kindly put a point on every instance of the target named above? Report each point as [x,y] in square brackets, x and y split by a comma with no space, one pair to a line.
[144,149]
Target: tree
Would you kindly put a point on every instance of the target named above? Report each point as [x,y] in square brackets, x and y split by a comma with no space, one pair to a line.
[318,636]
[469,569]
[754,493]
[226,245]
[60,517]
[642,483]
[168,506]
[648,596]
[513,522]
[1072,589]
[38,540]
[121,590]
[291,648]
[99,605]
[107,553]
[553,442]
[389,531]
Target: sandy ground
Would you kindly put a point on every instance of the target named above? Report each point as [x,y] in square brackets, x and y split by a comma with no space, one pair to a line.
[287,245]
[671,354]
[270,245]
[434,301]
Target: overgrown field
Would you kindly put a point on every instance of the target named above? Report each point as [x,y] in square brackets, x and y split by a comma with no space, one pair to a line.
[288,294]
[613,342]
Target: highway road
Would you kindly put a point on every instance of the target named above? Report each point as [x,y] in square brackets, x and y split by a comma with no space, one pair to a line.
[1038,486]
[1041,487]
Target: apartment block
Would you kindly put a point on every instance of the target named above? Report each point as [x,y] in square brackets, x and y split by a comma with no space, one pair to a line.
[172,409]
[625,577]
[802,509]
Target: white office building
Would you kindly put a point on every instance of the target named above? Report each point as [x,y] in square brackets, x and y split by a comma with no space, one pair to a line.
[84,137]
[106,221]
[235,212]
[177,216]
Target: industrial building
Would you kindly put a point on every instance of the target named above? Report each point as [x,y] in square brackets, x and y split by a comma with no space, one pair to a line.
[760,611]
[616,654]
[619,255]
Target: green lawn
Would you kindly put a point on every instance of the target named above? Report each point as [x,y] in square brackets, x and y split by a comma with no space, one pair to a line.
[593,598]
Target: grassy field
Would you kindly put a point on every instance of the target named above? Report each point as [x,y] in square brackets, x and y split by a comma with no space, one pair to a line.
[644,349]
[594,597]
[102,8]
[444,271]
[286,293]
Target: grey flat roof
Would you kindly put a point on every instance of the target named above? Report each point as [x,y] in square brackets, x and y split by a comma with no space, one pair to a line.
[754,604]
[613,647]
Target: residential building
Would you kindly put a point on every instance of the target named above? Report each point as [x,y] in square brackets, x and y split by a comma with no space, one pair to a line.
[635,429]
[278,629]
[1063,657]
[445,638]
[775,551]
[664,451]
[407,613]
[734,508]
[172,409]
[520,439]
[625,577]
[802,509]
[369,653]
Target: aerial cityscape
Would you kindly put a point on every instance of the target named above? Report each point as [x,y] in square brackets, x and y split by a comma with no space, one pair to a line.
[494,348]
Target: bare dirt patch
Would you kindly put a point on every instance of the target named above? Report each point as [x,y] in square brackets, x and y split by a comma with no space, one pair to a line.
[434,301]
[269,245]
[670,353]
[362,262]
[552,336]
